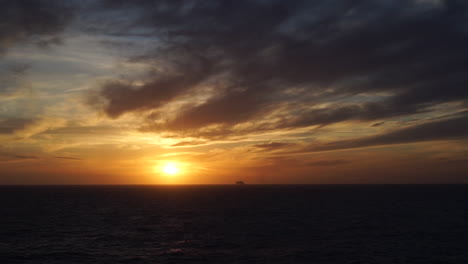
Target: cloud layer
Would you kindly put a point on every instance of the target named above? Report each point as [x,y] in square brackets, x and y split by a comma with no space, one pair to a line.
[450,129]
[275,65]
[34,21]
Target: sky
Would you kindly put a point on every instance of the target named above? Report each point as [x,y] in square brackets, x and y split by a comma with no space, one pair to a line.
[212,92]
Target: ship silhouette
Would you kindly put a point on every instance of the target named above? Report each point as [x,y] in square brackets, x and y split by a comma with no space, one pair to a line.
[240,183]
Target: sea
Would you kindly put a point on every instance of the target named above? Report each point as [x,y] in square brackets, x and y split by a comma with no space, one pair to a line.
[343,224]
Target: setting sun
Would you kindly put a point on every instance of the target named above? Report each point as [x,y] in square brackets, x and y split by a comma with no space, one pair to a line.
[171,169]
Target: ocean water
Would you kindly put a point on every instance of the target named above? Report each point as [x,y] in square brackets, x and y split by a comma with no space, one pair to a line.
[234,224]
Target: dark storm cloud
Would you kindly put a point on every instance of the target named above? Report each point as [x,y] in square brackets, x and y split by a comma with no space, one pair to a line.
[451,129]
[32,21]
[10,125]
[255,52]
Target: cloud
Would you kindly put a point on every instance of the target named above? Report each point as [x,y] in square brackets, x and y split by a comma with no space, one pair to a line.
[68,158]
[189,143]
[364,60]
[10,125]
[123,97]
[6,157]
[24,157]
[272,146]
[455,161]
[378,124]
[27,127]
[327,163]
[12,79]
[450,129]
[34,21]
[339,113]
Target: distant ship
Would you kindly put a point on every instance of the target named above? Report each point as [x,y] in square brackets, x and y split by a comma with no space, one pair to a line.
[240,183]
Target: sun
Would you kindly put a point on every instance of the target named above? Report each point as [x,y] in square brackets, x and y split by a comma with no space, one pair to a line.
[171,168]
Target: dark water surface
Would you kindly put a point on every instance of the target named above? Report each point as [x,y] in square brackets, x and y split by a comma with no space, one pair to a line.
[234,224]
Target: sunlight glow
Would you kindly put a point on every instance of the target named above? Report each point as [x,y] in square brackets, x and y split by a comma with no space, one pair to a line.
[171,168]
